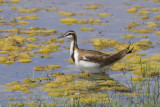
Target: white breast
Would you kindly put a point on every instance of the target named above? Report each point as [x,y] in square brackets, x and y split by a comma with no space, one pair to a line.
[86,66]
[76,57]
[71,47]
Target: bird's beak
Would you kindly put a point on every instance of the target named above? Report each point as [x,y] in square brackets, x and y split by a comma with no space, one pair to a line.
[62,36]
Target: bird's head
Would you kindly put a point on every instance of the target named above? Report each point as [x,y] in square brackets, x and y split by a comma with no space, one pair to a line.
[69,34]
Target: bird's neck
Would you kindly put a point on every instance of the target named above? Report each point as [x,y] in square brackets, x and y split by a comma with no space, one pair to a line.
[73,46]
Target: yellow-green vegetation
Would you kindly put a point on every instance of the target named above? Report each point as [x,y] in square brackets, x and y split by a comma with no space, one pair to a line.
[151,24]
[31,32]
[99,43]
[133,10]
[17,86]
[158,33]
[24,10]
[24,86]
[32,104]
[82,21]
[132,25]
[96,98]
[155,1]
[143,30]
[140,66]
[143,36]
[70,61]
[155,9]
[54,40]
[104,14]
[28,17]
[144,17]
[21,49]
[136,79]
[71,21]
[143,43]
[128,36]
[12,47]
[13,8]
[118,66]
[24,60]
[3,2]
[144,13]
[92,21]
[15,1]
[79,86]
[47,49]
[64,13]
[96,6]
[52,9]
[87,29]
[47,68]
[16,22]
[157,17]
[1,21]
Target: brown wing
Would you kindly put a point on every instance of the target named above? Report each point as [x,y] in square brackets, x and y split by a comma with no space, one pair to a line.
[102,58]
[92,56]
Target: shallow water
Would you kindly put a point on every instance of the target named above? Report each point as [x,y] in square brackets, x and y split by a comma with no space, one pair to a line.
[51,20]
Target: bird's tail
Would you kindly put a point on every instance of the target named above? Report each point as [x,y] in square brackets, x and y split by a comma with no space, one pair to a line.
[129,50]
[119,55]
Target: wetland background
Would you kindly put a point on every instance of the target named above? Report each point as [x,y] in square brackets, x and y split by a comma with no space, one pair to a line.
[36,69]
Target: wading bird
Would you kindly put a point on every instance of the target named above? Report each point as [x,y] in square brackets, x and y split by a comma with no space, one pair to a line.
[92,61]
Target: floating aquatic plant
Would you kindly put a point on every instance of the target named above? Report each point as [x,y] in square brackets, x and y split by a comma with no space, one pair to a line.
[133,10]
[46,49]
[92,21]
[29,17]
[136,79]
[151,24]
[47,68]
[128,36]
[17,86]
[157,17]
[22,86]
[77,86]
[69,21]
[70,61]
[118,67]
[52,9]
[102,43]
[96,6]
[64,13]
[3,59]
[143,30]
[104,14]
[144,11]
[82,21]
[132,25]
[15,1]
[14,8]
[158,33]
[24,60]
[87,29]
[24,10]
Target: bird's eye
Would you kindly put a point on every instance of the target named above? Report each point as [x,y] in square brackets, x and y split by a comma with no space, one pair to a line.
[69,34]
